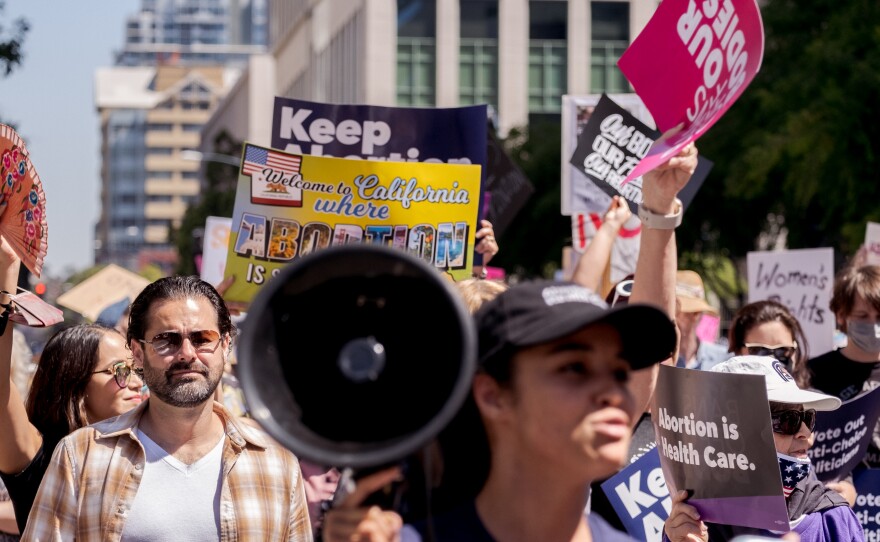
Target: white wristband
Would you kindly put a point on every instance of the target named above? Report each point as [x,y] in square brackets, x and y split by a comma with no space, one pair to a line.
[656,221]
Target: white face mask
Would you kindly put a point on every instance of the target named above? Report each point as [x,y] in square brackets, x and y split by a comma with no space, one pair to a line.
[864,334]
[793,470]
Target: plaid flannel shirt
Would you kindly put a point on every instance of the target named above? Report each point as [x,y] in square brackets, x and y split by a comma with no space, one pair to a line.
[94,475]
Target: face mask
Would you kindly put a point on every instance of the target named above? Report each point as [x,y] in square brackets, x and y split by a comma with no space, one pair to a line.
[793,470]
[864,334]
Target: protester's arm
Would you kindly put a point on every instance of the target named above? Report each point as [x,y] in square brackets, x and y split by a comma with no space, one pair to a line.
[657,262]
[595,258]
[683,523]
[7,518]
[21,441]
[349,521]
[487,245]
[54,512]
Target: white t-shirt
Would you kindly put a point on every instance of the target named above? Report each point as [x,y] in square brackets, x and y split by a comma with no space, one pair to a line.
[176,501]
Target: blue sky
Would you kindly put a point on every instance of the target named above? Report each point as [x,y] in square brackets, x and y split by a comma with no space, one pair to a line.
[50,99]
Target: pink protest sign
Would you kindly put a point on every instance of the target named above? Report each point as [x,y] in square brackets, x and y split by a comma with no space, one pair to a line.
[689,64]
[707,328]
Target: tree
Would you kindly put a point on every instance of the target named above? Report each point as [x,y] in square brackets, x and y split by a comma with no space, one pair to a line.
[798,150]
[11,41]
[218,199]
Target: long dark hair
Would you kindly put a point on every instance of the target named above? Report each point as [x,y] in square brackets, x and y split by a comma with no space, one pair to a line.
[56,402]
[761,312]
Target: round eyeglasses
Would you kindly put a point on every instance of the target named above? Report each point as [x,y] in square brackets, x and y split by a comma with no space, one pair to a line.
[121,372]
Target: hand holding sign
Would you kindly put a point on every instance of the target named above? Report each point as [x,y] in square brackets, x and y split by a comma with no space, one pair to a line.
[689,64]
[684,523]
[662,185]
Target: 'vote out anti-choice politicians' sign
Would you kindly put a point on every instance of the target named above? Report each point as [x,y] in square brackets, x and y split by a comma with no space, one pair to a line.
[842,436]
[690,64]
[867,507]
[288,206]
[639,495]
[715,439]
[801,280]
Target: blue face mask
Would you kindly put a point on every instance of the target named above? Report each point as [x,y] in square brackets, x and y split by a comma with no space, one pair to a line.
[864,334]
[793,470]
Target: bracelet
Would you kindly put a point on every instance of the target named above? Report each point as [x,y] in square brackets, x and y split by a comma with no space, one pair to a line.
[656,221]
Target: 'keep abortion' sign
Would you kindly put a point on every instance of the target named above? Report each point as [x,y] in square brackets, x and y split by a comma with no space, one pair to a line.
[715,438]
[690,64]
[640,497]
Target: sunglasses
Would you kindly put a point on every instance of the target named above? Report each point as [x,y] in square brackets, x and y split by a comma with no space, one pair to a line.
[121,372]
[781,352]
[170,342]
[788,422]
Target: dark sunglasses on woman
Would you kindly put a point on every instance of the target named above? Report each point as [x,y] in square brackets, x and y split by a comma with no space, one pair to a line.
[782,352]
[788,422]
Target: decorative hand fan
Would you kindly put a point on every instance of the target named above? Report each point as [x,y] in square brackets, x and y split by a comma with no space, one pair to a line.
[22,202]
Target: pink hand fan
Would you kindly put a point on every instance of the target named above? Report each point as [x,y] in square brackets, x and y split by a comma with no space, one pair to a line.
[22,202]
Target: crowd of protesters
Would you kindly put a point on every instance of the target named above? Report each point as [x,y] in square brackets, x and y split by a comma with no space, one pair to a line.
[122,437]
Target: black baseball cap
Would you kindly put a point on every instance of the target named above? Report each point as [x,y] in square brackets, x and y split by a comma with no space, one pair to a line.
[541,311]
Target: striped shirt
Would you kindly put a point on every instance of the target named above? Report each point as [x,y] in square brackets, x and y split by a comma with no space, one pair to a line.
[95,472]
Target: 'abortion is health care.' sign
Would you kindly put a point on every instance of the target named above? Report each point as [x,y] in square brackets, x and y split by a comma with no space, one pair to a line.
[690,64]
[802,281]
[715,438]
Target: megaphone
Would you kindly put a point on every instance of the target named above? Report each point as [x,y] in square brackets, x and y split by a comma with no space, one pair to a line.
[356,356]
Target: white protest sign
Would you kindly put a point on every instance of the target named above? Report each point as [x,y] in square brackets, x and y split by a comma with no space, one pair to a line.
[801,280]
[872,244]
[214,248]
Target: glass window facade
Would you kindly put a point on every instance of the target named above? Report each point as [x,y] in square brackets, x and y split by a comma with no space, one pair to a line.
[610,38]
[478,52]
[416,52]
[548,55]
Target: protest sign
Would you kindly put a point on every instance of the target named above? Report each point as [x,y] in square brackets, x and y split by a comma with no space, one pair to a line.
[689,65]
[867,507]
[842,436]
[429,210]
[580,194]
[802,281]
[707,328]
[624,251]
[610,146]
[215,246]
[507,189]
[640,497]
[715,438]
[872,244]
[394,134]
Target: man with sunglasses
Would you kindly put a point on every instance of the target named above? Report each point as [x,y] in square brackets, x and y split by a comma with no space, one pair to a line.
[178,467]
[816,512]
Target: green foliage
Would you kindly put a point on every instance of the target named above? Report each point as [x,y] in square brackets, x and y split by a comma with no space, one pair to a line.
[11,41]
[532,245]
[218,199]
[800,142]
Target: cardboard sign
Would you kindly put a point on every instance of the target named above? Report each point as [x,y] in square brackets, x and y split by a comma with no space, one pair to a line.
[579,193]
[640,497]
[802,281]
[867,507]
[842,436]
[215,246]
[429,210]
[105,287]
[715,438]
[610,146]
[689,65]
[872,244]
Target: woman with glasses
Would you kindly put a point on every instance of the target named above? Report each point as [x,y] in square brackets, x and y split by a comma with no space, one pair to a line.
[816,512]
[84,376]
[767,328]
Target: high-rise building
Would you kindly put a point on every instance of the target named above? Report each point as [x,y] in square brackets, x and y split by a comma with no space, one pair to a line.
[179,59]
[195,32]
[519,56]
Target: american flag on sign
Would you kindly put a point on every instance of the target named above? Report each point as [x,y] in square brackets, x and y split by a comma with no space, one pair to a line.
[792,473]
[257,158]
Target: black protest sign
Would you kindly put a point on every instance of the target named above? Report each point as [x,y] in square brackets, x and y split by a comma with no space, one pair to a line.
[610,146]
[507,186]
[843,435]
[715,439]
